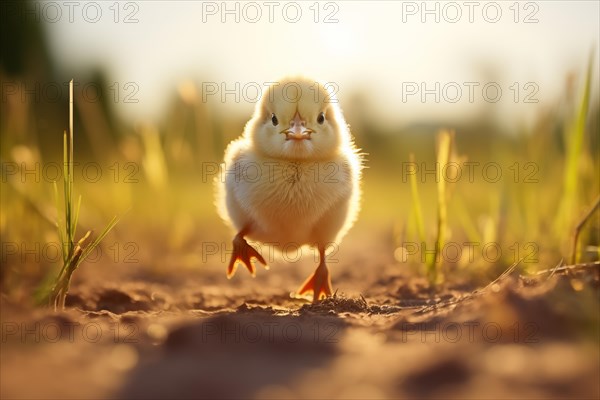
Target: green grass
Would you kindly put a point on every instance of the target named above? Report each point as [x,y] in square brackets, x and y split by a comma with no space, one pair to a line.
[416,203]
[445,140]
[526,211]
[73,252]
[574,142]
[434,260]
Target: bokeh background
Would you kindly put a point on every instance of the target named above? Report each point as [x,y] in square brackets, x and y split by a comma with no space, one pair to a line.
[162,87]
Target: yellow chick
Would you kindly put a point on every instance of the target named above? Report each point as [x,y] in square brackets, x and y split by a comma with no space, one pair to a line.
[292,179]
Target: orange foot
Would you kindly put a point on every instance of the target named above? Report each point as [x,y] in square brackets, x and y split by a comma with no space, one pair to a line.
[319,283]
[243,252]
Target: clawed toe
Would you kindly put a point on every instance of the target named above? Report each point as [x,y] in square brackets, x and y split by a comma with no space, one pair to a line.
[244,253]
[319,283]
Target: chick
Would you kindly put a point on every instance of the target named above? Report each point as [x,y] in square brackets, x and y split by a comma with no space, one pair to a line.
[292,179]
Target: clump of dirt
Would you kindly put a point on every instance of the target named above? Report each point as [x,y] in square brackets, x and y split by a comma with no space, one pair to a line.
[118,302]
[134,296]
[436,376]
[337,304]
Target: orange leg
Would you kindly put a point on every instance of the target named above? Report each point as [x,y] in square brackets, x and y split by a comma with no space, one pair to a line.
[243,252]
[319,282]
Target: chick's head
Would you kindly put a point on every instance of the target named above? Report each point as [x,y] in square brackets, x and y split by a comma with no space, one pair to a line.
[298,118]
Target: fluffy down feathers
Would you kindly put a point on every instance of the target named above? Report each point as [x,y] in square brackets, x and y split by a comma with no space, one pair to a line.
[285,191]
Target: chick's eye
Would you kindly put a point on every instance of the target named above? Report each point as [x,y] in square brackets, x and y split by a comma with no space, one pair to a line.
[321,118]
[274,120]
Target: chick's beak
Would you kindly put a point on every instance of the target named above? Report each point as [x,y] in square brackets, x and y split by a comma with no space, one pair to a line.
[297,129]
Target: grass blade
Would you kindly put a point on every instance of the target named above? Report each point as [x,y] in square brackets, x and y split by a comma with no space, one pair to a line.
[575,139]
[416,202]
[445,139]
[73,253]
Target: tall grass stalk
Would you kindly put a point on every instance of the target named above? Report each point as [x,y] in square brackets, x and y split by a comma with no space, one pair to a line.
[574,141]
[416,202]
[73,253]
[445,140]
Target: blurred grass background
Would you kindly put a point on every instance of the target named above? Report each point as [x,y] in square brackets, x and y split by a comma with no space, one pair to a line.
[159,176]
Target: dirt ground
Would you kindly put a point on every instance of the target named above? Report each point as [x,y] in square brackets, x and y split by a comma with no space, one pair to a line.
[143,333]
